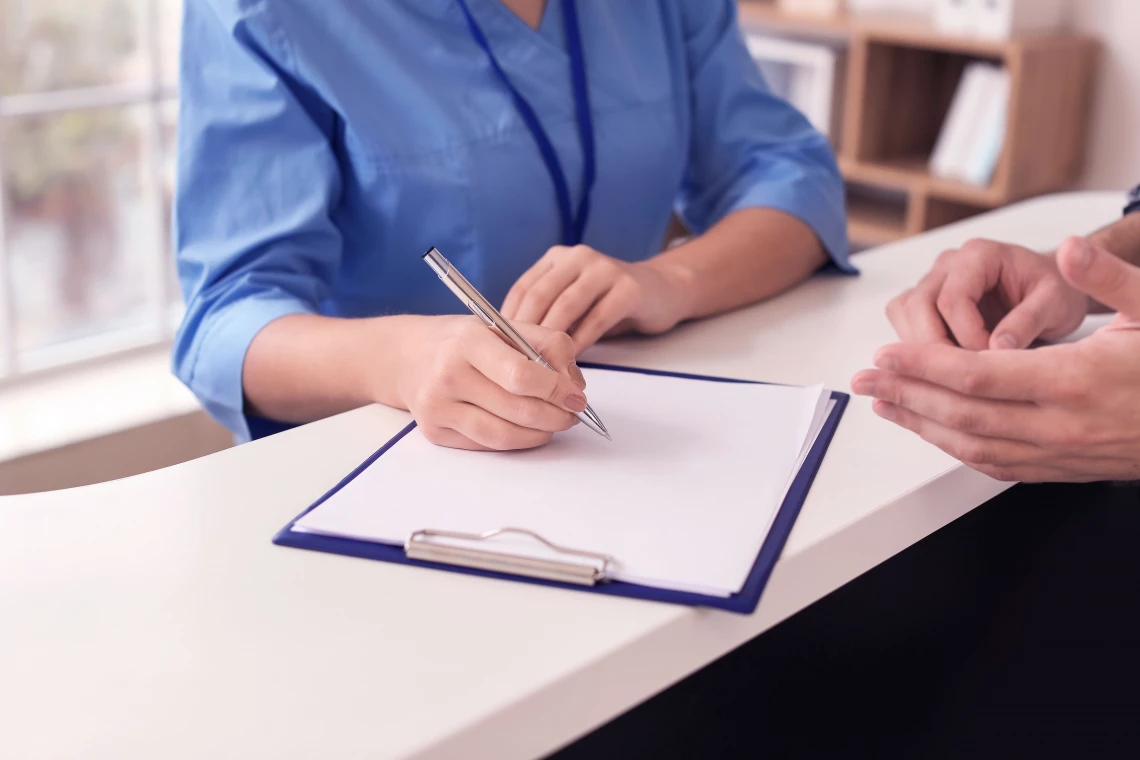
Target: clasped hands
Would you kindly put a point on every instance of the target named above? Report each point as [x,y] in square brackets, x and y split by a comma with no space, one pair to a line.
[965,379]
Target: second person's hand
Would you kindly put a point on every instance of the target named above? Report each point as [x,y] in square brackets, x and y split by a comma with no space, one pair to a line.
[989,295]
[591,295]
[467,388]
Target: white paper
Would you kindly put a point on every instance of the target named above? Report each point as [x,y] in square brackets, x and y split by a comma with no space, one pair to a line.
[681,499]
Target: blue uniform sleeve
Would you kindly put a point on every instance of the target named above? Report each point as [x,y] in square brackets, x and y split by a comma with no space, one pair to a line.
[750,148]
[257,179]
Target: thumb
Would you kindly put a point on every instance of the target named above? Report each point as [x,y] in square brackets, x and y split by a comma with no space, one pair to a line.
[1104,277]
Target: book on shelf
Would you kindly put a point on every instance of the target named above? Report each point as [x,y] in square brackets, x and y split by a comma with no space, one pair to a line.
[969,145]
[999,19]
[805,74]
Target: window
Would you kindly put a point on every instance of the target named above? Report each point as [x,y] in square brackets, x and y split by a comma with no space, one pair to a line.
[87,113]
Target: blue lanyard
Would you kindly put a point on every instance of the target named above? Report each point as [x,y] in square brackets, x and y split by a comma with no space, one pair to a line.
[572,227]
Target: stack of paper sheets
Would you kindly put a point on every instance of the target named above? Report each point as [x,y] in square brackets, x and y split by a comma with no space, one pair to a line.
[682,498]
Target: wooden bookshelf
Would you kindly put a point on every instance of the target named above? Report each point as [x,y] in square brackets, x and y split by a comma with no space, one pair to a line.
[770,16]
[875,220]
[901,78]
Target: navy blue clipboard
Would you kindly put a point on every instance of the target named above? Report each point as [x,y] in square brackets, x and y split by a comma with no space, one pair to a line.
[743,602]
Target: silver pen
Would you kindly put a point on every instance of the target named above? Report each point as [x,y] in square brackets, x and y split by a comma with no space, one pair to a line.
[483,309]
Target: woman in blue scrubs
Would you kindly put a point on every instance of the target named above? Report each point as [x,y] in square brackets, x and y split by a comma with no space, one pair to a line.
[541,145]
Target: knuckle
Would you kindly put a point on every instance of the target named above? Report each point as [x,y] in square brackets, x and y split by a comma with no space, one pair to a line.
[517,380]
[497,438]
[447,372]
[527,413]
[469,328]
[433,433]
[428,406]
[897,304]
[977,452]
[973,383]
[961,419]
[490,435]
[977,245]
[894,392]
[561,345]
[626,283]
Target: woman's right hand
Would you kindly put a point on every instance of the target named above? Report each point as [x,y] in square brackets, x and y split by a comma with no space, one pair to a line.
[469,389]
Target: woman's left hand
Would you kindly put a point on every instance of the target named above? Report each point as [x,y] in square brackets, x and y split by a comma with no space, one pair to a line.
[591,295]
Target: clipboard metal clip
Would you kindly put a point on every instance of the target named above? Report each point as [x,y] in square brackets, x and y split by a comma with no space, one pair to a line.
[421,546]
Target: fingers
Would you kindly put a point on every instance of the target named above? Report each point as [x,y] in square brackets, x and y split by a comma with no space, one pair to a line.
[477,392]
[1037,375]
[607,313]
[1027,321]
[514,373]
[448,438]
[1104,277]
[952,304]
[524,411]
[1029,473]
[915,316]
[1011,420]
[537,299]
[575,302]
[556,347]
[970,449]
[957,302]
[999,459]
[515,295]
[484,429]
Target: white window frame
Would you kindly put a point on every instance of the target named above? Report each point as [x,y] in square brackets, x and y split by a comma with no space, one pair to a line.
[153,94]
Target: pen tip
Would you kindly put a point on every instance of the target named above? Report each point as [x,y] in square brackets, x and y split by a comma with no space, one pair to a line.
[609,437]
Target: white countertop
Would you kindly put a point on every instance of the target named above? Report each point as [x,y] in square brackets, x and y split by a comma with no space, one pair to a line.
[152,617]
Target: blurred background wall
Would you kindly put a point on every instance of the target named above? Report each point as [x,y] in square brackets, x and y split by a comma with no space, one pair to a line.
[1114,143]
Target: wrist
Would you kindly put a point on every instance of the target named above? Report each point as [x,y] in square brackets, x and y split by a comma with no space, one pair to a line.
[393,349]
[677,284]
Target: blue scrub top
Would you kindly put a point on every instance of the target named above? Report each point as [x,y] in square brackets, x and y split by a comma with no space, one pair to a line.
[324,145]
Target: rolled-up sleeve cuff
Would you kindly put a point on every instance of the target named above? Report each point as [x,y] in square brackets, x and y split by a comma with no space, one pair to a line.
[215,374]
[819,207]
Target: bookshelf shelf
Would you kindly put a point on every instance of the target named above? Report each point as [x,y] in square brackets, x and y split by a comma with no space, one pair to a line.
[912,175]
[770,16]
[901,78]
[875,220]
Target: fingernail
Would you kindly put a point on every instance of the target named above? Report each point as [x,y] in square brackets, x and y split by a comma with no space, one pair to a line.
[887,362]
[1082,254]
[865,388]
[575,403]
[576,375]
[1006,341]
